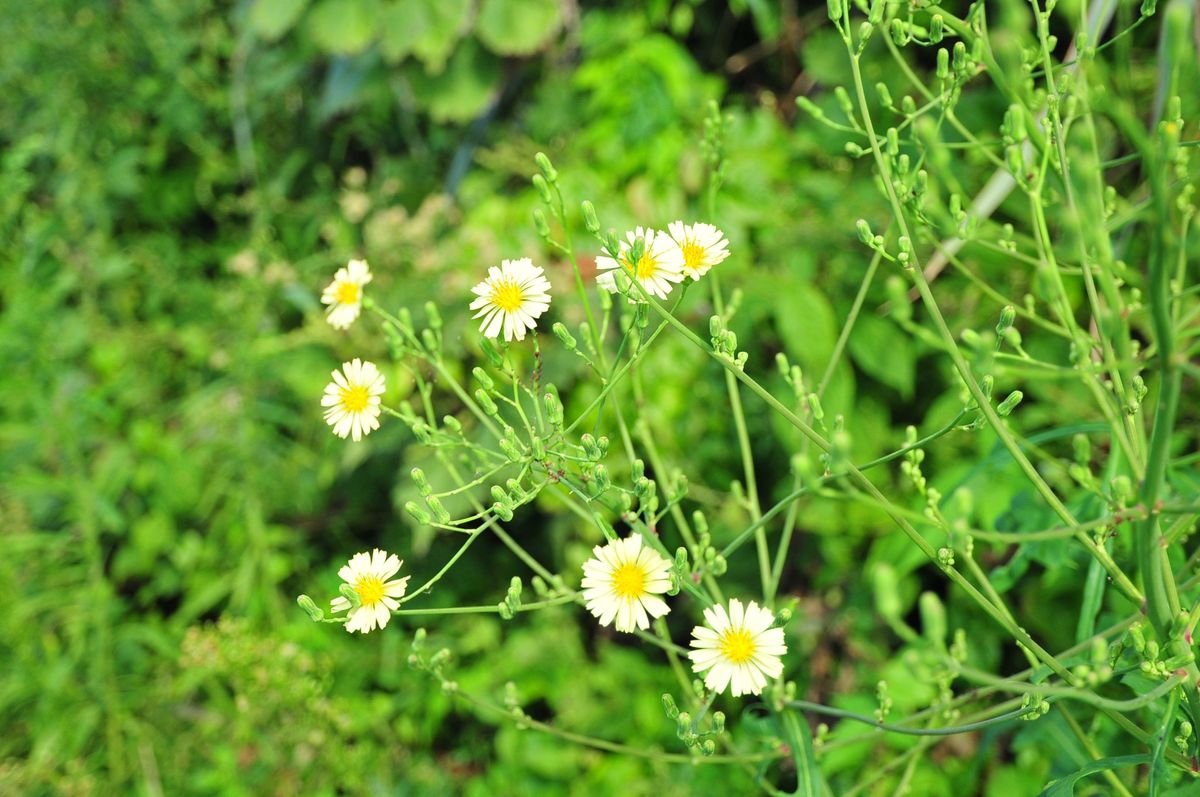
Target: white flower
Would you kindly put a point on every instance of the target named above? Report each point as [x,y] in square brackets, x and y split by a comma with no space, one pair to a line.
[623,581]
[701,245]
[660,264]
[511,298]
[739,647]
[351,401]
[368,574]
[344,294]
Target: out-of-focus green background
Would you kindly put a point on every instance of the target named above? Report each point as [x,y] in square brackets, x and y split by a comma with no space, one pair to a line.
[178,180]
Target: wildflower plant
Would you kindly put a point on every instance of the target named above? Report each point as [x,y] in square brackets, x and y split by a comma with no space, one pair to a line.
[1100,263]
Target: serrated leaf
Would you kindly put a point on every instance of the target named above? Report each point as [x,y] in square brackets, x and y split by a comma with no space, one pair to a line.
[463,90]
[517,27]
[344,27]
[270,19]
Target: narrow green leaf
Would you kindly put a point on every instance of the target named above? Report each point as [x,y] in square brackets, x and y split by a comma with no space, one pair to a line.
[1065,786]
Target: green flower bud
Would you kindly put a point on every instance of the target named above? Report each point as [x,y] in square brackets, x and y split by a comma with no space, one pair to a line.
[543,189]
[669,706]
[439,511]
[485,402]
[1010,403]
[1007,316]
[418,477]
[864,232]
[482,378]
[418,514]
[309,605]
[936,29]
[547,168]
[540,225]
[589,217]
[349,594]
[452,423]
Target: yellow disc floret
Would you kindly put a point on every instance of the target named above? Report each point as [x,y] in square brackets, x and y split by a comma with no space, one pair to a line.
[737,646]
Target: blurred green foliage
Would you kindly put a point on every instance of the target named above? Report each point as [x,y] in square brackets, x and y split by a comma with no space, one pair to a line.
[177,182]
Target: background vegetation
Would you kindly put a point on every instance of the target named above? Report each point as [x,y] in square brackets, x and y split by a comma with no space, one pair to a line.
[177,182]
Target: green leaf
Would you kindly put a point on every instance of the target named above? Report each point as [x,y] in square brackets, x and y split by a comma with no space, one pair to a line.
[344,27]
[1065,787]
[799,739]
[884,352]
[445,23]
[270,19]
[463,90]
[517,27]
[402,26]
[806,325]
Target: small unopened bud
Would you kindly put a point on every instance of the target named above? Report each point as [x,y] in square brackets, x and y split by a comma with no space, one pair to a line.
[418,477]
[540,224]
[547,168]
[418,514]
[1009,404]
[669,705]
[1007,316]
[439,511]
[589,217]
[864,232]
[543,188]
[309,605]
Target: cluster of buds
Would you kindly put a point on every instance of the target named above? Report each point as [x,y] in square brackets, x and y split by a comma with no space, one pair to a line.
[697,738]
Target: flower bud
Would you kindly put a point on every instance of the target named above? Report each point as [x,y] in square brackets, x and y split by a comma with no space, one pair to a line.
[308,605]
[418,477]
[543,189]
[1010,403]
[439,511]
[547,168]
[418,514]
[349,594]
[589,217]
[482,378]
[540,225]
[669,706]
[485,402]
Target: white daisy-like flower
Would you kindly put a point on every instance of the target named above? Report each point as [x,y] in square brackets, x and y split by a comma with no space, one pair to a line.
[368,574]
[623,581]
[344,294]
[511,299]
[351,400]
[701,245]
[738,647]
[660,264]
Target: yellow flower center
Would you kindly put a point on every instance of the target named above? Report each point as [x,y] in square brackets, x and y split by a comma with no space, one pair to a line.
[346,293]
[693,255]
[646,267]
[369,589]
[508,296]
[355,398]
[737,646]
[629,581]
